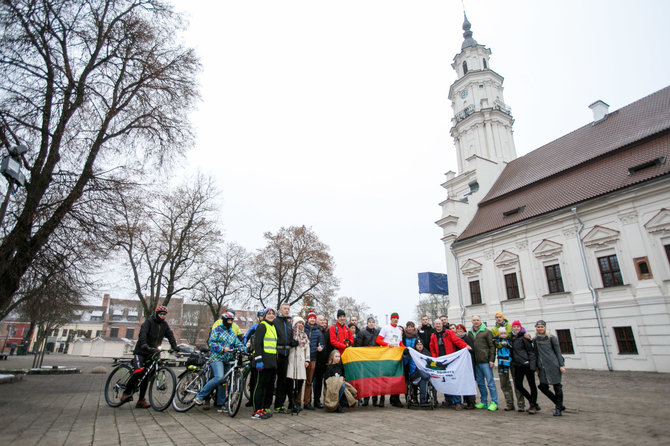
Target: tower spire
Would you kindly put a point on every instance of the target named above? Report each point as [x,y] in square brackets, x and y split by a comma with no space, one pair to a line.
[467,34]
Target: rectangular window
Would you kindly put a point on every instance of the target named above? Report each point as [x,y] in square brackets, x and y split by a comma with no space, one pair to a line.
[565,342]
[642,268]
[512,286]
[65,333]
[609,271]
[625,340]
[475,292]
[554,279]
[114,332]
[130,333]
[89,333]
[667,252]
[98,333]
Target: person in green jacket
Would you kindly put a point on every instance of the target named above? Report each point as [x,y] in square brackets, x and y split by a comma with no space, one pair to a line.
[485,356]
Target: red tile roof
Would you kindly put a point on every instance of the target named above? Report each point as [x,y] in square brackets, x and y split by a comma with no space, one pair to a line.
[587,163]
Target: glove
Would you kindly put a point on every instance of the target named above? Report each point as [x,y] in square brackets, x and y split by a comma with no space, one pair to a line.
[153,351]
[259,365]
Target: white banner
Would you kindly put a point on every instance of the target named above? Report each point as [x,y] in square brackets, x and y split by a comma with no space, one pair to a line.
[451,374]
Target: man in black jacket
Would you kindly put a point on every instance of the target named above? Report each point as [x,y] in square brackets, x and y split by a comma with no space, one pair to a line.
[425,330]
[368,338]
[151,336]
[284,343]
[321,360]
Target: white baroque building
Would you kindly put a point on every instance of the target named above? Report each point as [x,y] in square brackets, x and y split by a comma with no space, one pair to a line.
[576,232]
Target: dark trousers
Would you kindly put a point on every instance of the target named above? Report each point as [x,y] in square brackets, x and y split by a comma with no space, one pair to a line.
[519,374]
[282,387]
[139,362]
[556,397]
[318,383]
[294,392]
[263,390]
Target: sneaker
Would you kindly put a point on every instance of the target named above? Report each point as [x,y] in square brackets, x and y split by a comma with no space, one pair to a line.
[198,402]
[537,408]
[558,413]
[481,406]
[493,407]
[458,407]
[531,410]
[267,413]
[142,404]
[258,415]
[221,409]
[281,409]
[308,407]
[126,398]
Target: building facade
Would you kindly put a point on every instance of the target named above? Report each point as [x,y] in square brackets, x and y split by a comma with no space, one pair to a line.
[576,232]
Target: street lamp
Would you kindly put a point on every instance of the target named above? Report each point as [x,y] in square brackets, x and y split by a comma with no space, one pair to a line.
[10,167]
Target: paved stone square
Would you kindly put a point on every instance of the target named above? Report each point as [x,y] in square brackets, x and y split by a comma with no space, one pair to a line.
[603,408]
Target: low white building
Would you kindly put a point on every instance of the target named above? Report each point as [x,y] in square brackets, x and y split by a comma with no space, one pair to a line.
[576,233]
[102,347]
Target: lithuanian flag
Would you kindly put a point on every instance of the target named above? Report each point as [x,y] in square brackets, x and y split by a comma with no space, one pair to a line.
[374,370]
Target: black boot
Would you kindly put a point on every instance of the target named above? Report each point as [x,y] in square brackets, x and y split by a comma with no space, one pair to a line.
[558,412]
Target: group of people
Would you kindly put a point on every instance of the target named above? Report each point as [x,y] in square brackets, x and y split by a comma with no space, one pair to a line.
[300,361]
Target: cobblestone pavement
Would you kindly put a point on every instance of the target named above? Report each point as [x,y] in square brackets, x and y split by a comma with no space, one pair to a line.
[603,408]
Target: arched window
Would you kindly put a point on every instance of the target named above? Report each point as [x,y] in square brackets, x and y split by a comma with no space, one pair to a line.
[484,60]
[465,68]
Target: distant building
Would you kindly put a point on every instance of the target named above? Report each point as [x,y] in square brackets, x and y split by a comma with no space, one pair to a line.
[576,233]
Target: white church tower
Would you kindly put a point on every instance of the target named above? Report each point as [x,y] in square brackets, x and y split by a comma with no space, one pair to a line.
[482,132]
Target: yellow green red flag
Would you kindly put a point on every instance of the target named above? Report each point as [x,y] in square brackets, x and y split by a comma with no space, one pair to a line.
[374,370]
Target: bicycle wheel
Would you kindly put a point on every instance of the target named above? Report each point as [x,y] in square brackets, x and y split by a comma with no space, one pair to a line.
[435,403]
[116,384]
[188,386]
[246,377]
[161,388]
[235,391]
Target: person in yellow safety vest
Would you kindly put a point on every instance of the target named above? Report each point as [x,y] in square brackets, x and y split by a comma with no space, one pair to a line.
[236,328]
[265,364]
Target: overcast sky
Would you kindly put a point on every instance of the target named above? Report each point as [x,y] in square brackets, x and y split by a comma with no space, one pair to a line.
[334,114]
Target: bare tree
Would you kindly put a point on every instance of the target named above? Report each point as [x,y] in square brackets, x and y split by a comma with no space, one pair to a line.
[90,86]
[165,236]
[432,305]
[195,321]
[50,304]
[353,308]
[293,263]
[223,279]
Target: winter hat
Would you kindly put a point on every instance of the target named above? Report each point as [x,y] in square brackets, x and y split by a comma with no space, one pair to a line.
[540,322]
[267,310]
[394,315]
[297,319]
[340,313]
[499,313]
[516,323]
[371,319]
[311,314]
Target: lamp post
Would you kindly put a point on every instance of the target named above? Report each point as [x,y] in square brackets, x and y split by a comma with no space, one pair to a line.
[10,167]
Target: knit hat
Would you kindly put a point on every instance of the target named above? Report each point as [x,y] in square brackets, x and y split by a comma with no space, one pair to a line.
[394,315]
[267,310]
[297,319]
[340,312]
[418,341]
[540,322]
[311,314]
[516,323]
[499,313]
[462,327]
[371,319]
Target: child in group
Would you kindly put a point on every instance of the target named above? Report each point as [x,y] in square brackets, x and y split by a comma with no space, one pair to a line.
[416,376]
[338,392]
[504,363]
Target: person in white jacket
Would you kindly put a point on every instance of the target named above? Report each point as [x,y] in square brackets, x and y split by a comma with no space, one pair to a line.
[298,361]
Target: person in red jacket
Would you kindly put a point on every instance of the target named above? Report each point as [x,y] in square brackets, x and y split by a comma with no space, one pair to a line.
[444,341]
[340,336]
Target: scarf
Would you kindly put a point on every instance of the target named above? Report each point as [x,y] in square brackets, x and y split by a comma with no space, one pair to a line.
[301,337]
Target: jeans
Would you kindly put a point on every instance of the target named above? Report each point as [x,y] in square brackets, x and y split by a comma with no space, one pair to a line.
[423,385]
[484,375]
[219,368]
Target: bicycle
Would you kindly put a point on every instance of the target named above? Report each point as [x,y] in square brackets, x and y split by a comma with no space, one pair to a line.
[162,383]
[191,381]
[235,381]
